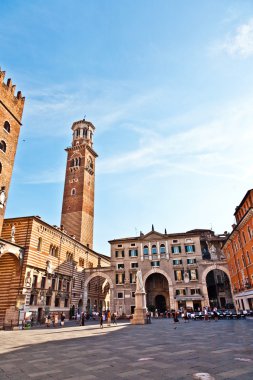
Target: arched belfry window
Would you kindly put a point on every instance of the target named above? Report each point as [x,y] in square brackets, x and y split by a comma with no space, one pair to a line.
[75,162]
[7,126]
[3,145]
[73,191]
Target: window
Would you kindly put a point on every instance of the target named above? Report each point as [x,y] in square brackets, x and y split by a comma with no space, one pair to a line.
[132,244]
[244,261]
[43,282]
[154,249]
[133,294]
[193,274]
[3,146]
[120,266]
[145,250]
[66,302]
[178,275]
[48,301]
[120,278]
[7,126]
[119,245]
[175,241]
[180,292]
[120,254]
[133,252]
[243,234]
[81,262]
[69,257]
[132,278]
[1,167]
[35,280]
[39,245]
[162,248]
[195,291]
[190,248]
[60,285]
[248,257]
[33,299]
[249,232]
[134,265]
[53,250]
[120,295]
[57,302]
[176,250]
[53,283]
[81,285]
[177,262]
[191,261]
[73,191]
[155,263]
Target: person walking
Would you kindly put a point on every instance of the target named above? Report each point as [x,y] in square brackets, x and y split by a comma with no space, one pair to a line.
[101,320]
[62,319]
[114,319]
[175,318]
[108,318]
[83,319]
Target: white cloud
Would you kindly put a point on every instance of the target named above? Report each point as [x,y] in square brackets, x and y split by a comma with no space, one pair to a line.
[241,43]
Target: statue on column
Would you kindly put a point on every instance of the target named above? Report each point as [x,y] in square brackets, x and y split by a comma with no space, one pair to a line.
[139,282]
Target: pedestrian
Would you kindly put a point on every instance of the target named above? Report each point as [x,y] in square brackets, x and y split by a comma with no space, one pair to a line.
[62,319]
[186,319]
[101,320]
[206,317]
[175,318]
[114,319]
[48,320]
[83,319]
[215,313]
[56,320]
[108,318]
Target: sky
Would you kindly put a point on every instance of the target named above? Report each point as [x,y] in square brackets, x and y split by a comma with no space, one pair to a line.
[169,88]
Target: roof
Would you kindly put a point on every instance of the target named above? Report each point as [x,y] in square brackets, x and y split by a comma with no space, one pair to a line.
[242,201]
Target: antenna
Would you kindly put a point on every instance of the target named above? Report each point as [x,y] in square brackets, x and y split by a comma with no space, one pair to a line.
[84,117]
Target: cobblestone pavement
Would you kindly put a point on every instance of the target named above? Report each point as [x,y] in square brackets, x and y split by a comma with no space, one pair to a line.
[222,349]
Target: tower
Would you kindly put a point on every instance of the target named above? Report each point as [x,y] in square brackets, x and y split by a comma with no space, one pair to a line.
[11,110]
[78,198]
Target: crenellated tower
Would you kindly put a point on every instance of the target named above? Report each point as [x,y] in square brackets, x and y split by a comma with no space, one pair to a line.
[11,110]
[78,199]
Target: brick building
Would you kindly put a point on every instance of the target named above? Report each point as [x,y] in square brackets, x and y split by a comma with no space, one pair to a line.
[11,110]
[50,272]
[238,249]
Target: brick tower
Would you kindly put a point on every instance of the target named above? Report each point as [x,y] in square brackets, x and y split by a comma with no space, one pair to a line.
[11,110]
[78,198]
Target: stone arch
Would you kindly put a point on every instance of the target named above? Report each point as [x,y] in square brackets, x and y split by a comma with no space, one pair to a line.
[203,280]
[85,288]
[165,274]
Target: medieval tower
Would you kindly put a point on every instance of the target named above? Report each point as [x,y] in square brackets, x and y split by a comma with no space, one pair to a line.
[11,110]
[78,198]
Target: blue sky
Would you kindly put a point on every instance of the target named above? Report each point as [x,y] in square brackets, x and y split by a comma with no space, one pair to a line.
[169,87]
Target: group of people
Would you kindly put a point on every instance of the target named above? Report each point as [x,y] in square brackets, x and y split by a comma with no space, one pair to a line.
[54,320]
[107,316]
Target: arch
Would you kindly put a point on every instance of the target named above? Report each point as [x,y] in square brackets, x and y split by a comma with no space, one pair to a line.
[157,270]
[165,274]
[213,267]
[7,126]
[3,145]
[85,288]
[204,284]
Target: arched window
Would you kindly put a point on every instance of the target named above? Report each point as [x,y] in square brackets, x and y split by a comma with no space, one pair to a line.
[73,191]
[1,168]
[39,246]
[7,126]
[145,250]
[3,146]
[162,248]
[154,249]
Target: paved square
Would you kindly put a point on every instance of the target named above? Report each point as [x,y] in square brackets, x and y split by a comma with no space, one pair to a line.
[222,349]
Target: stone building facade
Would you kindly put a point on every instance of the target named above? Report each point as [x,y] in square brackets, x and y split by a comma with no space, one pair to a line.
[78,199]
[49,273]
[175,270]
[238,249]
[11,110]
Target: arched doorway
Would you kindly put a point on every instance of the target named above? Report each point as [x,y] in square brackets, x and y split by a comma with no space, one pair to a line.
[218,289]
[160,303]
[80,306]
[9,282]
[98,290]
[157,292]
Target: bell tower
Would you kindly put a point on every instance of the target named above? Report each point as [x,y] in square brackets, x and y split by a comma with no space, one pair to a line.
[78,199]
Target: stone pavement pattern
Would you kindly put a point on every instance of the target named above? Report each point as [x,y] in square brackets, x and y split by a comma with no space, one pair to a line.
[223,349]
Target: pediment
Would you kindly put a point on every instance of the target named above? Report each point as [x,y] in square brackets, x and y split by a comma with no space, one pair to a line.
[152,235]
